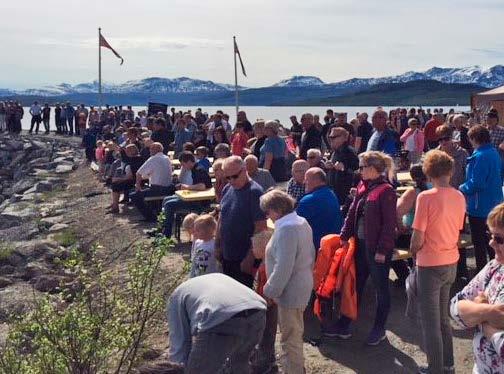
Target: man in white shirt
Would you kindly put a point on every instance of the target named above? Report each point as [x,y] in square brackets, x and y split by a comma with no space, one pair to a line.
[35,111]
[158,170]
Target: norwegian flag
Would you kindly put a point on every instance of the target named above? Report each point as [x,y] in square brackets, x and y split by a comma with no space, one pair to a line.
[104,43]
[237,51]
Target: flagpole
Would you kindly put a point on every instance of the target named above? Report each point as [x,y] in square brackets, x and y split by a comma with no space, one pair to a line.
[236,77]
[99,70]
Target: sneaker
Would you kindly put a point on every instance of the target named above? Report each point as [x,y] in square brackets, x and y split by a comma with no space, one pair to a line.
[376,336]
[338,332]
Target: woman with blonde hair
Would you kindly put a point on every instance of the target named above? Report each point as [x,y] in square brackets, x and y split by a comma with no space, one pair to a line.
[371,219]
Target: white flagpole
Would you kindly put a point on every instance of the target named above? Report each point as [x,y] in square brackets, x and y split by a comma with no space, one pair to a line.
[236,77]
[99,71]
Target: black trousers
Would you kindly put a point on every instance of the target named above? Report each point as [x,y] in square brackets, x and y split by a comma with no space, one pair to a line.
[35,120]
[481,240]
[70,125]
[232,269]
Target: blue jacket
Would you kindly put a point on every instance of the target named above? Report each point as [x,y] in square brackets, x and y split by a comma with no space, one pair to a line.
[483,186]
[322,211]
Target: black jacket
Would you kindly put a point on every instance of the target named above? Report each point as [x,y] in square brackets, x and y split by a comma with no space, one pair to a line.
[342,181]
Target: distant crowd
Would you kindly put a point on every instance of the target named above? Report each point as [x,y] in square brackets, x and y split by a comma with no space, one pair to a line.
[340,211]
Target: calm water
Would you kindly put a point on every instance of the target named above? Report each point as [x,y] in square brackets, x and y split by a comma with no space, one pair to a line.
[281,113]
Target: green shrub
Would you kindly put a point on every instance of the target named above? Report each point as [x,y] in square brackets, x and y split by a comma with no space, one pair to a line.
[103,328]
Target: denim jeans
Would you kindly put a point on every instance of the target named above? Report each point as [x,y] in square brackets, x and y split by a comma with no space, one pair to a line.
[433,284]
[365,266]
[138,197]
[226,348]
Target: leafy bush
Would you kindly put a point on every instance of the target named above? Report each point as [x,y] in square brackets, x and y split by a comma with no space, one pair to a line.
[99,326]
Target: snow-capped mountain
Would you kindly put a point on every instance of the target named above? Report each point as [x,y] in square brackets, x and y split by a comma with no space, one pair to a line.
[491,77]
[300,81]
[152,85]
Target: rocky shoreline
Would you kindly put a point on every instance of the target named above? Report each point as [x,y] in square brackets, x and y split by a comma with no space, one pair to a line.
[34,232]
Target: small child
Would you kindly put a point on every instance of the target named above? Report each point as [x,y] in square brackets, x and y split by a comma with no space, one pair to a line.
[202,160]
[100,156]
[203,259]
[259,243]
[188,225]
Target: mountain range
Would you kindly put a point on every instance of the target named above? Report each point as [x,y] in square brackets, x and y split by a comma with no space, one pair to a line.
[297,90]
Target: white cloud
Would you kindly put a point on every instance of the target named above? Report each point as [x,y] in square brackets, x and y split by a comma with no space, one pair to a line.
[155,44]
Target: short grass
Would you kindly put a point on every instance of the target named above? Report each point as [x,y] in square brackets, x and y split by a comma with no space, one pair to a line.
[5,250]
[66,238]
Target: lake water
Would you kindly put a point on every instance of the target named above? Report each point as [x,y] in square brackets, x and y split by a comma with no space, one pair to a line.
[281,113]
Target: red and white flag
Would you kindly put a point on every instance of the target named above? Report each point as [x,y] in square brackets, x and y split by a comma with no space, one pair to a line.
[237,51]
[104,43]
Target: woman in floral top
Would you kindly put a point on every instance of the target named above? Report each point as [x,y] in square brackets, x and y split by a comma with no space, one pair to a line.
[481,303]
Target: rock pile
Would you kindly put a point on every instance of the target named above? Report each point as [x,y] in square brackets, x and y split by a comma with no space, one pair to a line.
[29,168]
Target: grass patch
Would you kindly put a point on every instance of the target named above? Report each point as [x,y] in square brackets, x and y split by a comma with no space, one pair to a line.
[55,192]
[66,238]
[5,250]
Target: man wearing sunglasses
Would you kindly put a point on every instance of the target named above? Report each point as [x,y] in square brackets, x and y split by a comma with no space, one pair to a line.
[240,218]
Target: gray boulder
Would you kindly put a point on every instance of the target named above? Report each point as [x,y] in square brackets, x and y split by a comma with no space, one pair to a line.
[63,168]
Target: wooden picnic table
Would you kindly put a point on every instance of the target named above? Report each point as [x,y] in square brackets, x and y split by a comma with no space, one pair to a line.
[193,196]
[210,173]
[404,177]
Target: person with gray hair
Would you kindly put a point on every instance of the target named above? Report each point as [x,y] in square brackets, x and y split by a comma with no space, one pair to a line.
[261,176]
[289,259]
[158,170]
[314,158]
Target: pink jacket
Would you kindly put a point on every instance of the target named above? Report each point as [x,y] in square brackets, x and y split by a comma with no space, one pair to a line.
[419,138]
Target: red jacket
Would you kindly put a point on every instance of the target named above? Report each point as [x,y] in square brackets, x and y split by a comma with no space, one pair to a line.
[377,199]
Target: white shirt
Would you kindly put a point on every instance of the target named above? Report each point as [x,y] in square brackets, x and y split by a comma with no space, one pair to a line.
[35,110]
[211,129]
[203,258]
[158,169]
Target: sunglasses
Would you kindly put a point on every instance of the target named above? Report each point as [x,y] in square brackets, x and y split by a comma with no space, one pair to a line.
[233,177]
[334,136]
[444,139]
[497,238]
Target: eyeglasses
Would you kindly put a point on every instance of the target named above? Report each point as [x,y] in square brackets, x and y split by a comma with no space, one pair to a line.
[235,176]
[497,238]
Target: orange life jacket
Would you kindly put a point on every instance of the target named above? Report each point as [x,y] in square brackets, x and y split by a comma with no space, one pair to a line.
[340,277]
[328,245]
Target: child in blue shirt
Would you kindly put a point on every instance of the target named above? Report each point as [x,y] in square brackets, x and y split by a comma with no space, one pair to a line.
[202,160]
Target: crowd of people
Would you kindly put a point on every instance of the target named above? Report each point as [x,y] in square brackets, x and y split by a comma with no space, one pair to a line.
[311,179]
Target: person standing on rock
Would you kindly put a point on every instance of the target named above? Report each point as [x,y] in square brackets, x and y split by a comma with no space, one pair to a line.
[35,111]
[69,115]
[18,116]
[46,115]
[3,115]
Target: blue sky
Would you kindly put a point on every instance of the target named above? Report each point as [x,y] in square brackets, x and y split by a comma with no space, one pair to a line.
[53,41]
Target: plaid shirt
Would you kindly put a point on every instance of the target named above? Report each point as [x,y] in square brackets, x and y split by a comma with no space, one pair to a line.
[295,190]
[497,136]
